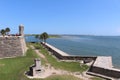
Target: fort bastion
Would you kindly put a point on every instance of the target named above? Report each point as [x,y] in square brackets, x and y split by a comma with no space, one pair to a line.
[13,45]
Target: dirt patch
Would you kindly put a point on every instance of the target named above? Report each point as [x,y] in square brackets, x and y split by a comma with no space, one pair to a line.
[2,65]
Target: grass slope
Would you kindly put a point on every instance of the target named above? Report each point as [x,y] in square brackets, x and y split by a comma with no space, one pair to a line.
[14,68]
[69,66]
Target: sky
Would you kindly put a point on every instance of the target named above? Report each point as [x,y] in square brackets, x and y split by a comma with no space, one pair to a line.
[84,17]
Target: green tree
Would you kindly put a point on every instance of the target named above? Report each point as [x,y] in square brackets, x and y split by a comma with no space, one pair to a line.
[44,36]
[7,30]
[37,37]
[3,32]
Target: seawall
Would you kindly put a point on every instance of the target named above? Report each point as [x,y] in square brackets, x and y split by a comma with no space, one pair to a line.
[12,46]
[64,56]
[102,65]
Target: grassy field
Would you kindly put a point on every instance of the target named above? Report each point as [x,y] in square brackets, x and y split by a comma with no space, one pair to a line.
[69,66]
[14,68]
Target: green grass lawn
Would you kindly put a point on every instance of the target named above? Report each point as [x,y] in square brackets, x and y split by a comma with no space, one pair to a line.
[14,68]
[97,78]
[69,66]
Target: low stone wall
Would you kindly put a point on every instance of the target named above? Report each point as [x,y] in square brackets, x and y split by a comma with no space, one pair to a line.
[114,73]
[12,46]
[57,55]
[86,59]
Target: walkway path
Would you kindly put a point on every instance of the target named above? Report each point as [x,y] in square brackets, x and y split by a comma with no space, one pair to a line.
[38,53]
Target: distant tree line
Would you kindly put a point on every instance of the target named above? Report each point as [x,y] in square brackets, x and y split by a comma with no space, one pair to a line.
[44,36]
[5,31]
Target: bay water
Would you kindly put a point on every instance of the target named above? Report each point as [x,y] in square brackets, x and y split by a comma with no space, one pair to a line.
[85,45]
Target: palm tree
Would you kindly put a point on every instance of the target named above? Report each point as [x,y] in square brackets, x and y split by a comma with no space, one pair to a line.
[41,37]
[37,37]
[7,30]
[3,32]
[44,36]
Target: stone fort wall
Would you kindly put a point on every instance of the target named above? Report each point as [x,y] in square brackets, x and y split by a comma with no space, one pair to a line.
[12,46]
[114,73]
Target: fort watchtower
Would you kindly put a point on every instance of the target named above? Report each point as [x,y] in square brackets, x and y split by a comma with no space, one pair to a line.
[21,30]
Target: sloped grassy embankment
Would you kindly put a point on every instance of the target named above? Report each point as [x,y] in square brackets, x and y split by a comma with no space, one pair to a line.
[14,68]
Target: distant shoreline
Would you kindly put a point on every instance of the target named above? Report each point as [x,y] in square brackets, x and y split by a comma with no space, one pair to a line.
[59,35]
[50,36]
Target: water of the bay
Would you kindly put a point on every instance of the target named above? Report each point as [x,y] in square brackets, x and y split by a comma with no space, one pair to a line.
[87,46]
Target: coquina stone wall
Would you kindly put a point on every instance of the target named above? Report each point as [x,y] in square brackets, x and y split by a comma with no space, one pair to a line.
[114,73]
[12,46]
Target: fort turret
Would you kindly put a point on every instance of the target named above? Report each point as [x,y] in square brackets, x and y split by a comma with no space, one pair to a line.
[21,30]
